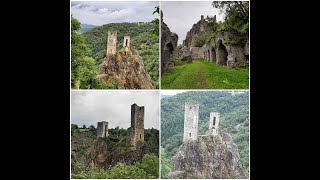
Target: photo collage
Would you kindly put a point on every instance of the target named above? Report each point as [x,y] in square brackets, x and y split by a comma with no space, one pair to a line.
[159,89]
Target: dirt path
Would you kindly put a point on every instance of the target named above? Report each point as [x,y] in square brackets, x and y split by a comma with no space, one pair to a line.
[202,79]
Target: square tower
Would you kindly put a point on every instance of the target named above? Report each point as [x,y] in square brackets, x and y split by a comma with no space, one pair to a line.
[137,124]
[112,43]
[102,129]
[191,116]
[214,123]
[126,41]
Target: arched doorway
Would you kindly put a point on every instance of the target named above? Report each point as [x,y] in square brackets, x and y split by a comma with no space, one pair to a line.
[222,54]
[213,54]
[208,55]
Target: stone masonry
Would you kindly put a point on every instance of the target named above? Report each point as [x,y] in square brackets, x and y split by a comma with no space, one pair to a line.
[112,43]
[102,129]
[214,123]
[137,125]
[191,116]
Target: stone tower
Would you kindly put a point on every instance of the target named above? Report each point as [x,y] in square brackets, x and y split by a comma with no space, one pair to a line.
[202,17]
[126,41]
[137,124]
[191,116]
[102,129]
[214,123]
[112,43]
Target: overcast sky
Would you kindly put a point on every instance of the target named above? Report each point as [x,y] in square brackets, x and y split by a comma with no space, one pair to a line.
[181,15]
[105,12]
[89,107]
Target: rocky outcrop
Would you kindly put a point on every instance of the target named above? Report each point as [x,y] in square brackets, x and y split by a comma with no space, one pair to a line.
[208,157]
[168,44]
[195,32]
[125,70]
[105,155]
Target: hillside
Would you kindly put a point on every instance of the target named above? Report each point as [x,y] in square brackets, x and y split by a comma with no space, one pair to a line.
[142,40]
[86,27]
[234,119]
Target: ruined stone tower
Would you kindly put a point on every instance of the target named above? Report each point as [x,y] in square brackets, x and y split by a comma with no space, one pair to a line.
[137,124]
[202,17]
[112,43]
[102,129]
[126,41]
[191,116]
[214,123]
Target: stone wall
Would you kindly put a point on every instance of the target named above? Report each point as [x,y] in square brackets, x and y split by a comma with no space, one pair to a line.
[102,129]
[191,116]
[112,43]
[169,42]
[227,48]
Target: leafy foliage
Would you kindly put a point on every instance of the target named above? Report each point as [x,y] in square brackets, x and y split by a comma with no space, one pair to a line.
[83,70]
[147,45]
[234,118]
[236,14]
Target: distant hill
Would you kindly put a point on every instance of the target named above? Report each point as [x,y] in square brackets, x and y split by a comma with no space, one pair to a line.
[86,27]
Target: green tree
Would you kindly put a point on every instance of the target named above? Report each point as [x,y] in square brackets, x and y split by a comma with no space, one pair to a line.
[84,127]
[83,69]
[236,13]
[150,164]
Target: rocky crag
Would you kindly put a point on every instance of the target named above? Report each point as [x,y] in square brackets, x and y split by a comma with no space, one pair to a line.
[104,153]
[125,70]
[195,32]
[208,157]
[168,44]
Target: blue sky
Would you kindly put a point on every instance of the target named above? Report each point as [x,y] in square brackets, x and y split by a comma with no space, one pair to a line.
[105,12]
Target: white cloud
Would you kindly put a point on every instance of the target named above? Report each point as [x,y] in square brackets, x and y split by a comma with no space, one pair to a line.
[104,12]
[181,15]
[89,107]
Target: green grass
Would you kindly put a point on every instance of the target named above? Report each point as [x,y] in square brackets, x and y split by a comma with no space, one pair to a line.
[201,74]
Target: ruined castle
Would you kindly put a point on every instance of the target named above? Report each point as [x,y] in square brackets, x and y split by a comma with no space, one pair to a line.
[112,43]
[123,69]
[226,47]
[136,131]
[191,118]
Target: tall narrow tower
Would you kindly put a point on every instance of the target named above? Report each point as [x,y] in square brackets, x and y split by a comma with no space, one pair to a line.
[112,43]
[102,129]
[214,123]
[137,124]
[126,43]
[191,116]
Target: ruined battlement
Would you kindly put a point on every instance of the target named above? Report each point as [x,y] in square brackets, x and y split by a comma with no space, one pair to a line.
[102,129]
[214,123]
[112,43]
[191,116]
[137,125]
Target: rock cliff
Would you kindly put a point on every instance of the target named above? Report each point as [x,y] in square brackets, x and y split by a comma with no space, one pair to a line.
[169,42]
[125,70]
[104,154]
[195,32]
[208,157]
